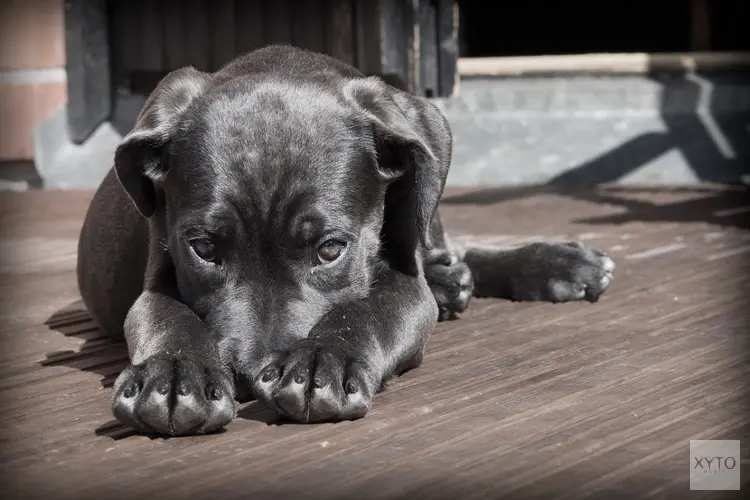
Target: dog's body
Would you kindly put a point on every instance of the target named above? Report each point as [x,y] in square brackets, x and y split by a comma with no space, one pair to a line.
[270,230]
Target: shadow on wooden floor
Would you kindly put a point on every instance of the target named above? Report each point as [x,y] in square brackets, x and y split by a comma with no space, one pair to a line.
[726,207]
[99,354]
[518,399]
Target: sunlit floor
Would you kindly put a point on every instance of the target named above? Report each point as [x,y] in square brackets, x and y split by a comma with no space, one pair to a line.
[512,400]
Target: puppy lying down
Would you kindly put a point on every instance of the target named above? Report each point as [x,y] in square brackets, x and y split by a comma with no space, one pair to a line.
[271,231]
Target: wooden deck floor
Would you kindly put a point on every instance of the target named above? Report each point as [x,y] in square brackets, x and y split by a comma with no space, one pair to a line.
[513,400]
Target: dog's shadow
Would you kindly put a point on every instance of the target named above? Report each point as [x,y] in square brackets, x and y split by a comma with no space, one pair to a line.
[106,357]
[99,354]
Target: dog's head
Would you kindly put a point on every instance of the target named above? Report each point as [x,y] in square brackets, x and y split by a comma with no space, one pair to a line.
[280,198]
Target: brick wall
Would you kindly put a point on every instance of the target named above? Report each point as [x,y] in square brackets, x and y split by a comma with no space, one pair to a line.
[32,71]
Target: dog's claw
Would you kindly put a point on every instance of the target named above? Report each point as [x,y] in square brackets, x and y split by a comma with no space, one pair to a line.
[214,394]
[351,386]
[129,391]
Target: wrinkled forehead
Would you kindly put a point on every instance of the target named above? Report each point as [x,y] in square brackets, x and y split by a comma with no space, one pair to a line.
[276,146]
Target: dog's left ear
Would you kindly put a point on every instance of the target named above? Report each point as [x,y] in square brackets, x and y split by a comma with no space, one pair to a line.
[413,147]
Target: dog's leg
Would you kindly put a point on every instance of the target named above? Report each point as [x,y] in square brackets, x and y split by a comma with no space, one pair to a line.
[349,355]
[176,384]
[551,272]
[449,278]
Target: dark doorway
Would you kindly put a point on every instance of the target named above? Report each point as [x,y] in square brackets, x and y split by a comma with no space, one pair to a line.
[540,27]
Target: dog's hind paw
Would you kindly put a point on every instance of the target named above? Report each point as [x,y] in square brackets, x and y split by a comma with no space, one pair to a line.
[562,272]
[173,396]
[451,283]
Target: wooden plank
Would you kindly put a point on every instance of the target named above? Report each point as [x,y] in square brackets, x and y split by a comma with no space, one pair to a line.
[224,33]
[88,67]
[142,35]
[448,26]
[248,26]
[151,34]
[308,25]
[187,40]
[366,15]
[176,54]
[428,48]
[339,29]
[277,21]
[397,21]
[196,38]
[386,41]
[124,35]
[514,400]
[413,54]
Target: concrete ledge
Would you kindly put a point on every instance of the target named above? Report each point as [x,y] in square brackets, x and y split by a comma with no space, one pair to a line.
[566,130]
[586,130]
[62,164]
[635,63]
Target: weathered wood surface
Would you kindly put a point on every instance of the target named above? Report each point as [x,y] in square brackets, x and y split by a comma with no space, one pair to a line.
[513,400]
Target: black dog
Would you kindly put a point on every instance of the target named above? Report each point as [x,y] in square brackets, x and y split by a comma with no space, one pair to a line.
[270,230]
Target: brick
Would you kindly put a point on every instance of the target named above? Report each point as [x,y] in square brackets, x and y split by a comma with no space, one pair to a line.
[22,107]
[32,34]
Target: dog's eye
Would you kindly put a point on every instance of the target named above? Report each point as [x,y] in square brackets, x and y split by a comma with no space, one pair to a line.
[204,248]
[330,251]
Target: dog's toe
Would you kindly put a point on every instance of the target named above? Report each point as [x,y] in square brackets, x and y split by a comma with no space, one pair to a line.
[315,384]
[595,270]
[608,265]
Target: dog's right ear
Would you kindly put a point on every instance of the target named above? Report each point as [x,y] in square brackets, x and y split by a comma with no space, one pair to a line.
[139,159]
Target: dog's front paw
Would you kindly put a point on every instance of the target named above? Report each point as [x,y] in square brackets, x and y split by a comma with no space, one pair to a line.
[315,382]
[562,272]
[173,396]
[451,283]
